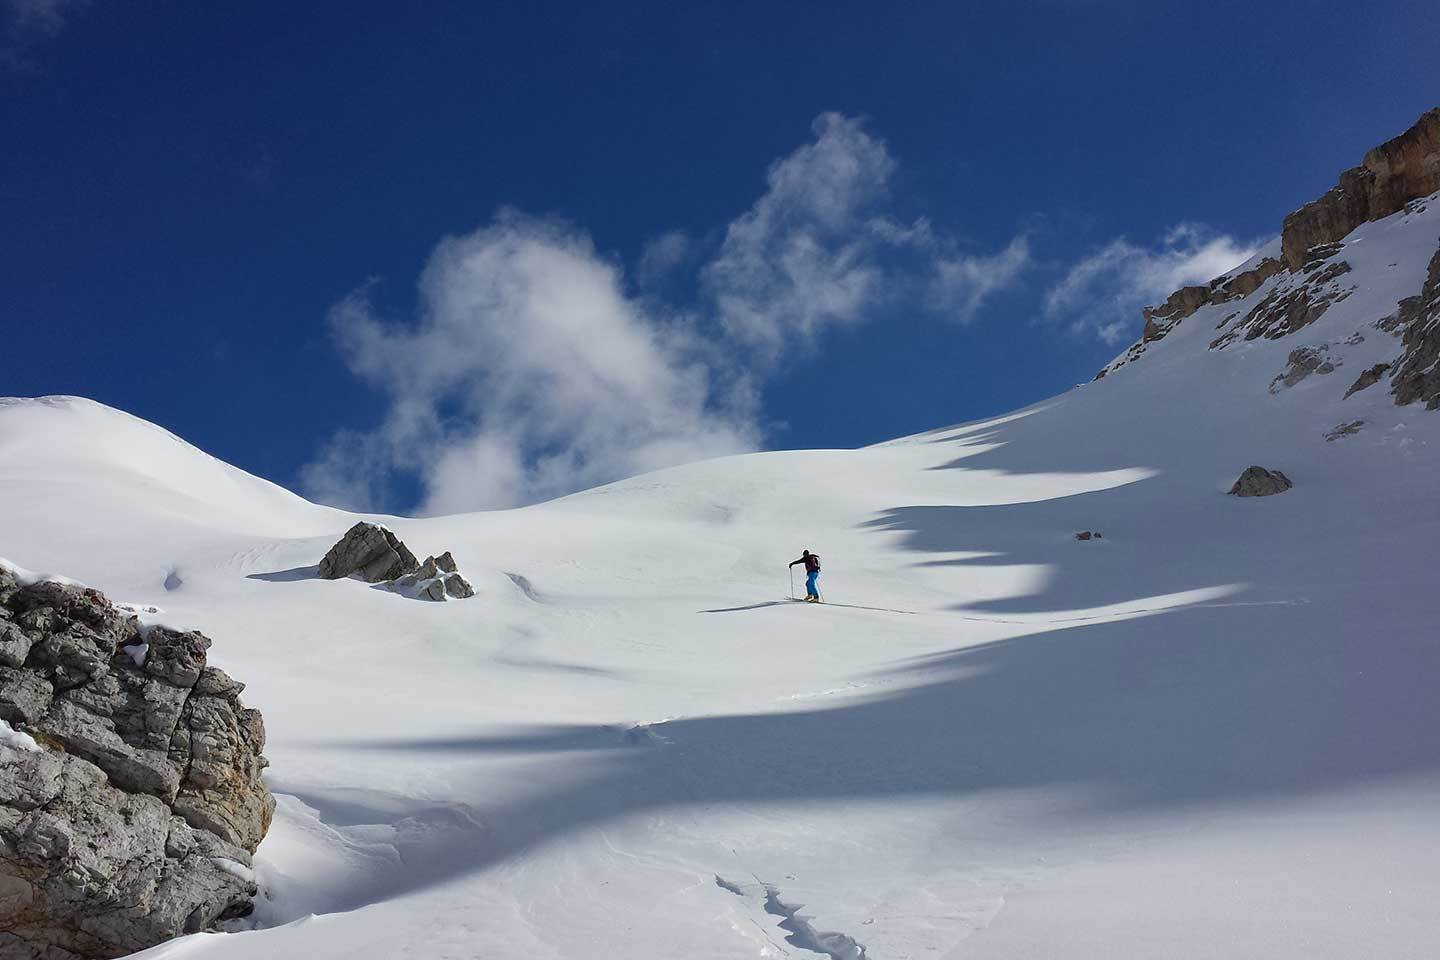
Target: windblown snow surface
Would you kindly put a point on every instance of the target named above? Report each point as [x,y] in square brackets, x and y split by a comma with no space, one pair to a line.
[1213,733]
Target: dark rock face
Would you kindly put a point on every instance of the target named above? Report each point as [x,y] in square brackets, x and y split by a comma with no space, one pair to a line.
[1290,308]
[1417,373]
[1160,320]
[370,551]
[1368,379]
[1391,175]
[133,819]
[1302,362]
[1259,482]
[1344,430]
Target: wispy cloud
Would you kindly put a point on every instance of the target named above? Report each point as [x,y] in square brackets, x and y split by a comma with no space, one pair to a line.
[29,23]
[528,374]
[530,371]
[961,284]
[819,248]
[1104,294]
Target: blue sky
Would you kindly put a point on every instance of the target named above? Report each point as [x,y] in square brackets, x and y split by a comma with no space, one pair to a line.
[675,230]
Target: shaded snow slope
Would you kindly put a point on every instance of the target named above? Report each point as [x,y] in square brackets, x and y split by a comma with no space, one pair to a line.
[1211,733]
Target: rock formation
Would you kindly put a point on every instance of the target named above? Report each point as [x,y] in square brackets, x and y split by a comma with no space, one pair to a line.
[1417,372]
[1391,175]
[1292,306]
[130,798]
[437,579]
[1302,362]
[369,551]
[1259,482]
[1344,430]
[1368,379]
[376,555]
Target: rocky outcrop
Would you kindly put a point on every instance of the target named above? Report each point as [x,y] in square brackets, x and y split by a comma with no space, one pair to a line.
[1344,430]
[1417,372]
[1393,175]
[131,798]
[1302,362]
[437,579]
[1184,302]
[1390,176]
[1259,482]
[368,551]
[376,555]
[1290,307]
[1367,379]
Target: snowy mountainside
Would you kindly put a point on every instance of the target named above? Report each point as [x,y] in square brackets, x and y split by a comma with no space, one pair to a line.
[1210,732]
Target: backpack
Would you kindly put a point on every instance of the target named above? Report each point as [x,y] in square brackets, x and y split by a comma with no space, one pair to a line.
[815,559]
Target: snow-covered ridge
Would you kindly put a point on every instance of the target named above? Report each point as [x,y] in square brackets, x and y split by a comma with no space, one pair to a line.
[71,437]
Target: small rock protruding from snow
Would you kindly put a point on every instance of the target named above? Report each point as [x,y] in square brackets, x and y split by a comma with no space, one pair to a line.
[1089,535]
[438,578]
[1344,430]
[1302,362]
[1259,482]
[1367,379]
[372,552]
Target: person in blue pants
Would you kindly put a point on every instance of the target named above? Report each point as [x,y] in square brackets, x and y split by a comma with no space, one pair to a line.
[812,573]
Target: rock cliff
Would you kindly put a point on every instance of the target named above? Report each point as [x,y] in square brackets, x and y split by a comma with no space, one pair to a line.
[130,790]
[1311,275]
[1390,176]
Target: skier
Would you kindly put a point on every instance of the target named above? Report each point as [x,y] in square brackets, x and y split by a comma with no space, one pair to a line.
[812,571]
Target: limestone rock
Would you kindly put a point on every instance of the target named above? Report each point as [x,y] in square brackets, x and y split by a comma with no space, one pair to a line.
[1391,175]
[372,552]
[1367,379]
[1344,430]
[1302,362]
[135,819]
[438,578]
[1417,372]
[1290,307]
[458,587]
[1259,482]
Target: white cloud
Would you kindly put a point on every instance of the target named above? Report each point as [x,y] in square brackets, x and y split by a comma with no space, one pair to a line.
[1104,294]
[799,258]
[819,249]
[528,374]
[961,284]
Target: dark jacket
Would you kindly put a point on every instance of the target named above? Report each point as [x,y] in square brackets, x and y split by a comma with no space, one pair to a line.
[811,561]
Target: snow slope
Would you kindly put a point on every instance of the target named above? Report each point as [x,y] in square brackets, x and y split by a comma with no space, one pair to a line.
[1212,733]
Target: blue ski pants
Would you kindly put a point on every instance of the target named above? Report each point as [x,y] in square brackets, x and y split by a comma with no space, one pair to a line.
[810,589]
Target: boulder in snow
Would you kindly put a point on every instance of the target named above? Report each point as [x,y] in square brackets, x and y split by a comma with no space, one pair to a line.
[130,790]
[438,578]
[1259,482]
[370,551]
